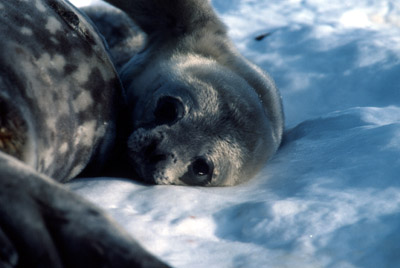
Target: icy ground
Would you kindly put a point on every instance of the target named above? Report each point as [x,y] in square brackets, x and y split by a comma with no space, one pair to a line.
[331,195]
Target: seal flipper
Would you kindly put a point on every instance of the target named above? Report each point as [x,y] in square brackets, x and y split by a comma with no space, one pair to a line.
[168,19]
[123,36]
[8,254]
[50,226]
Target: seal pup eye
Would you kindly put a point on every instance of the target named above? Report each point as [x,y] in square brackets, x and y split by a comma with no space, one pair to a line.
[200,167]
[202,170]
[199,172]
[168,111]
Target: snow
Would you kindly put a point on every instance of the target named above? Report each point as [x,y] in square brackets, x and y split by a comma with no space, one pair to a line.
[331,195]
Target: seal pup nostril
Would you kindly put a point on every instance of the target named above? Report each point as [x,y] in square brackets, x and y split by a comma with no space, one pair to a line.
[149,150]
[156,158]
[152,154]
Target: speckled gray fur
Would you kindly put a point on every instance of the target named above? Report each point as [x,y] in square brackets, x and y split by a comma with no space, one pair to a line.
[58,94]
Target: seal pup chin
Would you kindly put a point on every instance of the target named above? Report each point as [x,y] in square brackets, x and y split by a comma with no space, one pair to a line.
[202,114]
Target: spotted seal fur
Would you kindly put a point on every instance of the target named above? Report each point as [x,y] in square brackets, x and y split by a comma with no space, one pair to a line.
[58,98]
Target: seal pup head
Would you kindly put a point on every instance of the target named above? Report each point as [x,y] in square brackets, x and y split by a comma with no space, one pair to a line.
[202,114]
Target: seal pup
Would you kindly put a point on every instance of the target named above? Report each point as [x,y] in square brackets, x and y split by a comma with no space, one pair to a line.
[202,114]
[58,98]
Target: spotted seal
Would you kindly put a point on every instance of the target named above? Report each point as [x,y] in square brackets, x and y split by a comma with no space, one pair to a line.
[58,97]
[202,114]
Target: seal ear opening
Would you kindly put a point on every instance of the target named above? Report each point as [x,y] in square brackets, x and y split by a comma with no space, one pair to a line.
[169,110]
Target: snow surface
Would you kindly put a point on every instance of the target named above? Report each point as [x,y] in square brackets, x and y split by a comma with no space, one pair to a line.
[331,195]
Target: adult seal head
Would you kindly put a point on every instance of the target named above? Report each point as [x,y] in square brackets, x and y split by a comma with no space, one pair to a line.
[202,114]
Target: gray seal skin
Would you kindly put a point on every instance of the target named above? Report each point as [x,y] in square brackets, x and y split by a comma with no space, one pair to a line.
[202,114]
[58,97]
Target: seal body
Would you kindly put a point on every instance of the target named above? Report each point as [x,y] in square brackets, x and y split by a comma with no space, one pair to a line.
[58,88]
[59,94]
[202,114]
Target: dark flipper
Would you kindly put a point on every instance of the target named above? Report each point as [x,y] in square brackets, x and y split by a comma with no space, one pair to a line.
[124,38]
[49,226]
